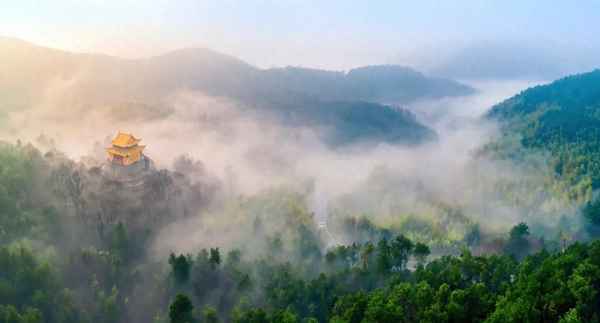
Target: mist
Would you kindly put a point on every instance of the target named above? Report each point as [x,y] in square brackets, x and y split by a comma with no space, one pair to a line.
[251,154]
[299,161]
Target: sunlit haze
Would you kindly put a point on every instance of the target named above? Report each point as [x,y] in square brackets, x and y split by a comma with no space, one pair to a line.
[325,34]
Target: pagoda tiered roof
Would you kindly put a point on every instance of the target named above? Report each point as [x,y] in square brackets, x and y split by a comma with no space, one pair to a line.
[125,140]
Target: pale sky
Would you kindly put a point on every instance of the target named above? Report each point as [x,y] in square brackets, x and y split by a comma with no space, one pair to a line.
[334,34]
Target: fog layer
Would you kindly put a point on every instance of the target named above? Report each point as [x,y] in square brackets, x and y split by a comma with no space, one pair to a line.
[250,154]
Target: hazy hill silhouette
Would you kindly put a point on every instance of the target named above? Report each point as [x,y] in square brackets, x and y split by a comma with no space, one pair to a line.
[349,104]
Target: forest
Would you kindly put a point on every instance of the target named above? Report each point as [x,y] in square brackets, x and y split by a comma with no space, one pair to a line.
[292,195]
[74,249]
[561,118]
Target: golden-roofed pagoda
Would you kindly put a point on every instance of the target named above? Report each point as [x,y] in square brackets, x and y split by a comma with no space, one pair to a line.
[125,150]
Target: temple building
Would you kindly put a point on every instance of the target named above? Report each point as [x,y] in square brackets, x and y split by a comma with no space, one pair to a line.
[125,150]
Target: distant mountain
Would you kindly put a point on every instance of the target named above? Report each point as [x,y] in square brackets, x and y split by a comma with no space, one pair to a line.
[349,103]
[562,118]
[383,84]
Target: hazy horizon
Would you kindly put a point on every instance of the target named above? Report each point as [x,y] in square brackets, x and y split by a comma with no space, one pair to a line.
[522,40]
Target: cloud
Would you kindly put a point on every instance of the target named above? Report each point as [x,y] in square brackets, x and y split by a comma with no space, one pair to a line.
[252,154]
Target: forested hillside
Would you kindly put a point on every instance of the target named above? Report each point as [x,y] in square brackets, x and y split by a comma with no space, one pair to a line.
[563,119]
[408,243]
[77,248]
[299,161]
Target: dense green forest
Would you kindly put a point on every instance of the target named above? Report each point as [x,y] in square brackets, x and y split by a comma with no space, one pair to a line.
[299,161]
[81,244]
[561,119]
[75,249]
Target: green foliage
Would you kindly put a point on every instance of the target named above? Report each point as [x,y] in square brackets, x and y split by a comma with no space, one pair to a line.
[591,214]
[543,288]
[400,250]
[518,243]
[564,281]
[571,317]
[119,242]
[31,290]
[257,315]
[180,267]
[215,257]
[421,252]
[519,231]
[9,314]
[562,118]
[108,306]
[19,167]
[181,310]
[281,271]
[210,315]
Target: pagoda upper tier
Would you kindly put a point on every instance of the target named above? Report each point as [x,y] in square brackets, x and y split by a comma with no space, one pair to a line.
[125,150]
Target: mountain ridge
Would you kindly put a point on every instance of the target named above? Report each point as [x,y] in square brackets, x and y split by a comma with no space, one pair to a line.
[560,119]
[185,60]
[315,98]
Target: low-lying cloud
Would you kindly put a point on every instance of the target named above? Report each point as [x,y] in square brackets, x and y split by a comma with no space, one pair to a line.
[249,154]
